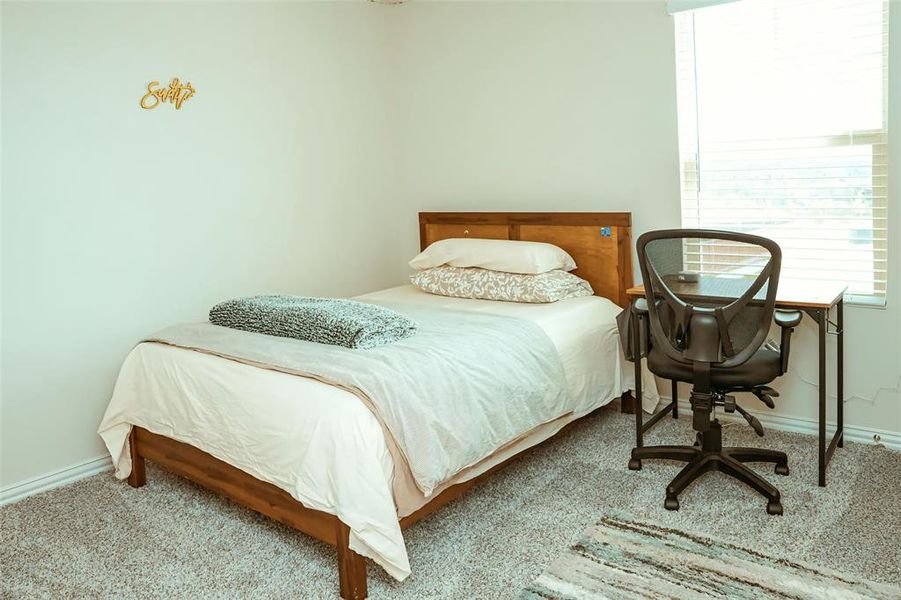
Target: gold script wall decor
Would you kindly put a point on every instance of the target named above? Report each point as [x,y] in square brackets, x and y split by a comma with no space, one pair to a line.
[177,93]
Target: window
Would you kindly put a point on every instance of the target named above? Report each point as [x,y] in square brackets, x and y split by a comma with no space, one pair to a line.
[782,133]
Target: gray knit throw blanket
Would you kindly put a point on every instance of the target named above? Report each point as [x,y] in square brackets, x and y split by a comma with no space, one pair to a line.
[324,320]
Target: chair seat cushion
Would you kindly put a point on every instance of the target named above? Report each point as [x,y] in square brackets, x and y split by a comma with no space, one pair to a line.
[761,368]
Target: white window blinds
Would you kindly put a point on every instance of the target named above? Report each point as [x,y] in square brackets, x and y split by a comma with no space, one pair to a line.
[782,133]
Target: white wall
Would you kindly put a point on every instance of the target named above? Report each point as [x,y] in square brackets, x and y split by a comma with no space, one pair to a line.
[571,106]
[539,106]
[276,177]
[317,133]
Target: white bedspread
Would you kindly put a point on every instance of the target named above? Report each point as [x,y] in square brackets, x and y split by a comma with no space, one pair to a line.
[328,450]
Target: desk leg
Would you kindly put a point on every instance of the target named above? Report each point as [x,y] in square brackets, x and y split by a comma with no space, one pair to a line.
[675,395]
[821,324]
[840,376]
[635,463]
[636,344]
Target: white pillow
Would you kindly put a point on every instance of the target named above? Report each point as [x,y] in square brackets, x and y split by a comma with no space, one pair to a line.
[509,256]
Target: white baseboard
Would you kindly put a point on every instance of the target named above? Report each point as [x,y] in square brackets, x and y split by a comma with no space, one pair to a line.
[889,439]
[42,483]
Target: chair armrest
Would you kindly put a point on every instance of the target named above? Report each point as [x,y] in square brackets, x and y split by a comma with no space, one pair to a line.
[633,319]
[787,318]
[640,306]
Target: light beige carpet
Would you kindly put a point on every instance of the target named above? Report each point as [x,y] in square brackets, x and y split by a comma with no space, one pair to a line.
[100,538]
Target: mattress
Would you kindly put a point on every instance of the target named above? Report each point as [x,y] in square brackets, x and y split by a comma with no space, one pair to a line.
[320,443]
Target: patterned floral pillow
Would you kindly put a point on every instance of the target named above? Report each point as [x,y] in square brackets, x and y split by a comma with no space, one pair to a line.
[498,285]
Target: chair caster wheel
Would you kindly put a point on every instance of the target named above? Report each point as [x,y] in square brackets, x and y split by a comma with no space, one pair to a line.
[774,507]
[671,503]
[782,469]
[634,464]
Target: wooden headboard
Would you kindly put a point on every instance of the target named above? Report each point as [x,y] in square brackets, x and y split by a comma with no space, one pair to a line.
[600,243]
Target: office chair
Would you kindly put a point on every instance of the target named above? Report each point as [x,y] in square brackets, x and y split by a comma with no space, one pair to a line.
[710,300]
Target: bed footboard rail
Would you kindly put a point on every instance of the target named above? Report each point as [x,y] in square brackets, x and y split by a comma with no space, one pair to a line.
[264,498]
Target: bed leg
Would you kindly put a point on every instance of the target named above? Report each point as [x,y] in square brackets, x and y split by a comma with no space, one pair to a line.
[138,475]
[351,567]
[627,403]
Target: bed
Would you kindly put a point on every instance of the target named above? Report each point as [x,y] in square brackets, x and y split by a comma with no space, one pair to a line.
[322,465]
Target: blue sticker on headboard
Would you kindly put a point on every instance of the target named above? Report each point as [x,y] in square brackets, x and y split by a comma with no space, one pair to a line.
[605,232]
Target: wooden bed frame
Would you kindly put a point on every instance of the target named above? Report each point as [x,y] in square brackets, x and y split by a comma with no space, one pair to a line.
[601,245]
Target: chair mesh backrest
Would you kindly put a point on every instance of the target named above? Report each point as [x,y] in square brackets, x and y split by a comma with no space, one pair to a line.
[737,273]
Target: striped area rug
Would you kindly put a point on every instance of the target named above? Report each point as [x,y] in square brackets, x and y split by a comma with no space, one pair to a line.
[622,557]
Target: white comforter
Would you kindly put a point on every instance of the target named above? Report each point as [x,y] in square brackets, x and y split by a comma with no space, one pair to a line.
[329,451]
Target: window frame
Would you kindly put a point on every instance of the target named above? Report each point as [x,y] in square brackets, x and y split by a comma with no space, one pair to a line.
[877,139]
